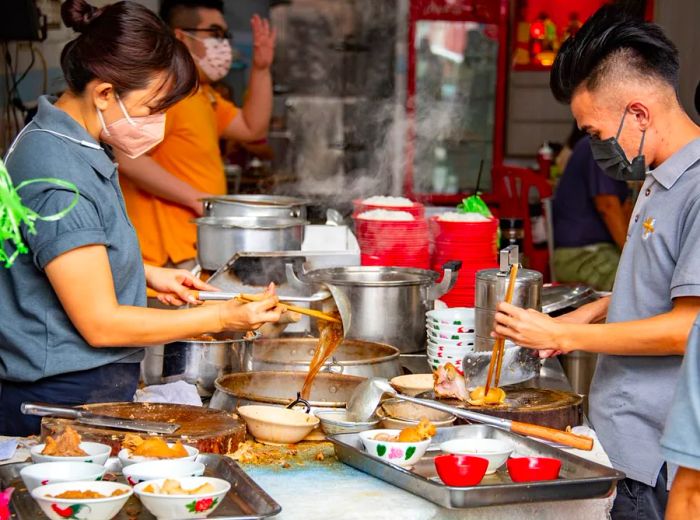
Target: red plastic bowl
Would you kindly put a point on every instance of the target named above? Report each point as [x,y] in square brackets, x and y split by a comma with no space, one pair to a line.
[460,470]
[531,469]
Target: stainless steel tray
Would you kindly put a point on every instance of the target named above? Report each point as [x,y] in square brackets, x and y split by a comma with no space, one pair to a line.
[579,478]
[245,501]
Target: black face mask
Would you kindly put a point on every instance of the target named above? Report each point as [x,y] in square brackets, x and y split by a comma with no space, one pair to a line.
[612,159]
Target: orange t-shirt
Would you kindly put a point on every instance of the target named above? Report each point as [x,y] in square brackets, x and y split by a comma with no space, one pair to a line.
[190,152]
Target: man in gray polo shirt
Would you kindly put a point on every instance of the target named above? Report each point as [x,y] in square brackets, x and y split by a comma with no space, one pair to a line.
[620,76]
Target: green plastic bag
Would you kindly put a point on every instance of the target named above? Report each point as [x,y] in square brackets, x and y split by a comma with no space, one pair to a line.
[14,214]
[474,204]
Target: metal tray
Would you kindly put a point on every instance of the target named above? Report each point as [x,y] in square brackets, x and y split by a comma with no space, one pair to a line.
[245,501]
[579,478]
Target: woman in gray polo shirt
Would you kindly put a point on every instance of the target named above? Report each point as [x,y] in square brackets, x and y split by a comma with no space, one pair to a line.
[73,309]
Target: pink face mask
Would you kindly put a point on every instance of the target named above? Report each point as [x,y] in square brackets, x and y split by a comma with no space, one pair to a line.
[217,58]
[133,135]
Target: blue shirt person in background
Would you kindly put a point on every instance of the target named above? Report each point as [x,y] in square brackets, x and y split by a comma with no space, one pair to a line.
[680,443]
[76,301]
[620,76]
[590,221]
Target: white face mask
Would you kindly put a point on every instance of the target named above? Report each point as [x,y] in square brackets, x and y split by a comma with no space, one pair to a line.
[217,58]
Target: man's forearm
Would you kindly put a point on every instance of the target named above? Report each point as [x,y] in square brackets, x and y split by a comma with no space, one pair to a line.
[684,500]
[152,178]
[662,335]
[257,108]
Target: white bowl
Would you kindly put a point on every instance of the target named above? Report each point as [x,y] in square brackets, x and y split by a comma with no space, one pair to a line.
[447,353]
[334,422]
[155,469]
[96,452]
[413,384]
[83,509]
[127,459]
[276,425]
[170,507]
[454,316]
[435,363]
[437,335]
[451,345]
[44,473]
[404,454]
[494,450]
[450,329]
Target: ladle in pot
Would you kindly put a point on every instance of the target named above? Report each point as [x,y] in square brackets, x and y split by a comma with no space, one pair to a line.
[364,401]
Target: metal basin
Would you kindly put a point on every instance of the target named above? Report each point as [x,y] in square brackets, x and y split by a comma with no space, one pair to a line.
[352,357]
[218,239]
[280,388]
[201,362]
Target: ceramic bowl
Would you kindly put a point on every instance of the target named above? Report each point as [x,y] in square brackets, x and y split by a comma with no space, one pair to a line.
[531,469]
[96,452]
[127,459]
[336,421]
[413,384]
[84,509]
[450,329]
[44,473]
[460,470]
[276,425]
[456,316]
[155,469]
[434,363]
[438,335]
[452,343]
[448,355]
[171,507]
[494,450]
[404,454]
[410,414]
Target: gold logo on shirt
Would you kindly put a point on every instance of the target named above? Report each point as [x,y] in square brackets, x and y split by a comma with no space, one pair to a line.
[648,227]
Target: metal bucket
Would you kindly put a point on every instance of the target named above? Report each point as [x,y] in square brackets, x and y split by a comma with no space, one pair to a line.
[218,239]
[280,389]
[352,357]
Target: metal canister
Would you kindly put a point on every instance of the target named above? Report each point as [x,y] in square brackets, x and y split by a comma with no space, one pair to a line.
[490,290]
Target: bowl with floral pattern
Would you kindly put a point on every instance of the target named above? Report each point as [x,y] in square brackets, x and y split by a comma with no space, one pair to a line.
[404,454]
[182,505]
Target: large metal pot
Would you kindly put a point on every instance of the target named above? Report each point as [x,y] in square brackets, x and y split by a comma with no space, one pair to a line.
[201,361]
[255,206]
[280,388]
[384,304]
[218,239]
[352,357]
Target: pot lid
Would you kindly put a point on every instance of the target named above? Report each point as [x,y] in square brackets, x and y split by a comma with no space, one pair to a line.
[370,276]
[527,276]
[259,200]
[558,297]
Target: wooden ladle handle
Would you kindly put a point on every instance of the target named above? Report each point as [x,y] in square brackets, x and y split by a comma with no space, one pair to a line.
[582,442]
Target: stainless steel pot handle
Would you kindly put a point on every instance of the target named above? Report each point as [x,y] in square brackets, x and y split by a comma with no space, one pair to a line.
[333,367]
[449,279]
[294,280]
[207,207]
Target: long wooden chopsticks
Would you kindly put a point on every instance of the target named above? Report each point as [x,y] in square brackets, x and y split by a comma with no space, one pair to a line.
[499,345]
[301,310]
[257,297]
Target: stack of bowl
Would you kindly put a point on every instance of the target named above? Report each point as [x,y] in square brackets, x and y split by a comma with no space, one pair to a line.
[474,243]
[450,336]
[393,239]
[391,203]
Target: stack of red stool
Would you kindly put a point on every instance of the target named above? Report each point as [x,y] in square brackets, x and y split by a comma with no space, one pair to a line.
[474,243]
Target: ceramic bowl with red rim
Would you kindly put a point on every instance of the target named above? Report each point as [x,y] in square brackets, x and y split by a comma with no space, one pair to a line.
[35,475]
[533,469]
[96,452]
[460,470]
[181,506]
[82,508]
[438,336]
[404,454]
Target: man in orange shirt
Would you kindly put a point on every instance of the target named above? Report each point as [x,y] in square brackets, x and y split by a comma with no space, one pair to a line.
[162,189]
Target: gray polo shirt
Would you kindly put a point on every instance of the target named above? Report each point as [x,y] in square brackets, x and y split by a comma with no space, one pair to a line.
[680,443]
[630,395]
[37,339]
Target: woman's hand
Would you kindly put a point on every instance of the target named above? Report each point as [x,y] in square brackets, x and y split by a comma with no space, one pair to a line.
[235,315]
[529,328]
[175,286]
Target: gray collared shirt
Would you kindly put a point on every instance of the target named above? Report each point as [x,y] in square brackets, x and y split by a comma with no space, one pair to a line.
[631,395]
[37,338]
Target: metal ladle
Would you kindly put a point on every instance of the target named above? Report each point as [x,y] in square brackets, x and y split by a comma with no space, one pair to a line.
[366,397]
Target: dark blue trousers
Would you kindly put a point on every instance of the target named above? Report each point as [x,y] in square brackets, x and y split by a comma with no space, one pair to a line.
[638,501]
[109,383]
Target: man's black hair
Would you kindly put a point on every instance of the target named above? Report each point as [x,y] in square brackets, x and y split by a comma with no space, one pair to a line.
[609,38]
[169,8]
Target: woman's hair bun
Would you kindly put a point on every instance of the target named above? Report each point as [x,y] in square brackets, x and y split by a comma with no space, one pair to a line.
[78,14]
